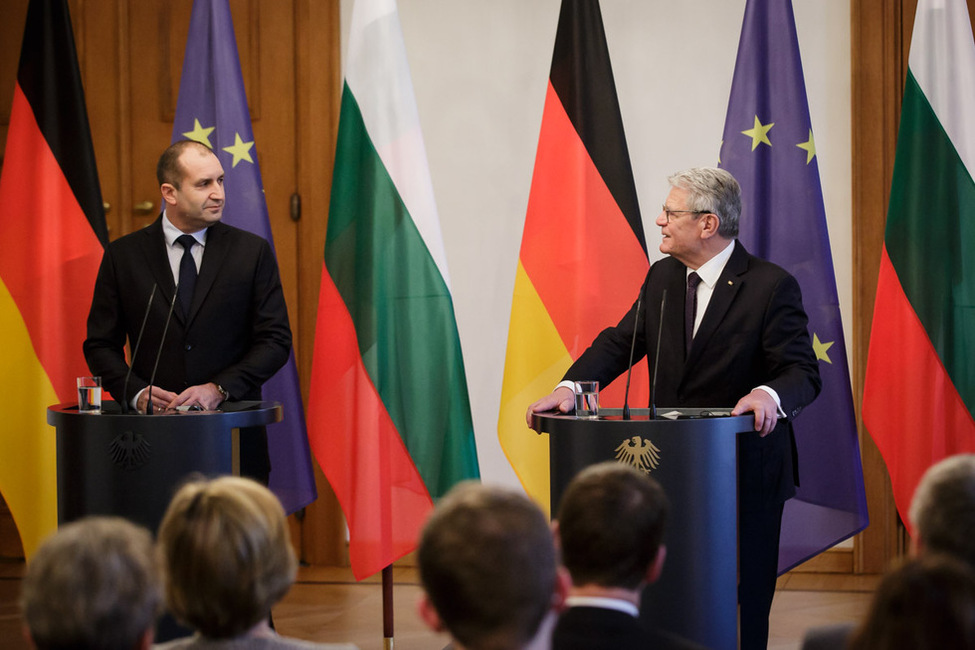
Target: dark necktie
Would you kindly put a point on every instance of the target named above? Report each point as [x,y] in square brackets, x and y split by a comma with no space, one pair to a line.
[187,274]
[690,310]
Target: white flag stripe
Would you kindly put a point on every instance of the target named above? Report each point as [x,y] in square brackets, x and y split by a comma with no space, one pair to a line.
[942,61]
[378,75]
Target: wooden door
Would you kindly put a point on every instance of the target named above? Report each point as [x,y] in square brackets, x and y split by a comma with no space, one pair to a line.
[131,56]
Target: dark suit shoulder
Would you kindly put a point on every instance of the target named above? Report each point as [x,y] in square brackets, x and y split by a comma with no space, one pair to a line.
[221,229]
[593,628]
[742,262]
[137,237]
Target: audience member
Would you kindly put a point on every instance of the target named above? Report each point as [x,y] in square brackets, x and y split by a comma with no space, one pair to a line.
[927,603]
[942,512]
[488,567]
[227,556]
[942,518]
[93,585]
[610,529]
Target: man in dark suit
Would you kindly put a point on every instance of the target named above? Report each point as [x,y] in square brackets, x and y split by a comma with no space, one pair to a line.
[229,331]
[734,332]
[610,529]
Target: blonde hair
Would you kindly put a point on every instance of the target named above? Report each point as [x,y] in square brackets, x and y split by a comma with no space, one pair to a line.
[227,554]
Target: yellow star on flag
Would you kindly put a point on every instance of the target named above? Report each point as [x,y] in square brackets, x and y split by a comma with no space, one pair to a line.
[240,150]
[820,348]
[810,147]
[200,134]
[759,133]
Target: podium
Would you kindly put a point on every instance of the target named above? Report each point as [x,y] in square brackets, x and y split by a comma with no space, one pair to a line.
[694,458]
[129,465]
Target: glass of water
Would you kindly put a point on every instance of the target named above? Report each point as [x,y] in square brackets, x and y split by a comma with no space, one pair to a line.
[587,399]
[89,394]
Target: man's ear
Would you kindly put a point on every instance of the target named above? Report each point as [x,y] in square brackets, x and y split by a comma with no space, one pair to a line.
[556,536]
[168,191]
[28,636]
[563,583]
[653,571]
[711,224]
[428,614]
[917,545]
[146,639]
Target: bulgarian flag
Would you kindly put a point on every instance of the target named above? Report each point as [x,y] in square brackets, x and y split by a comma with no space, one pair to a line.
[389,418]
[52,233]
[919,393]
[583,253]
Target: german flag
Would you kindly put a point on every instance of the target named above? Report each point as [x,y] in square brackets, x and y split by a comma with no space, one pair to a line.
[52,233]
[583,251]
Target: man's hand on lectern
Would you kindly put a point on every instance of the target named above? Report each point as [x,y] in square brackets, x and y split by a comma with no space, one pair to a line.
[562,398]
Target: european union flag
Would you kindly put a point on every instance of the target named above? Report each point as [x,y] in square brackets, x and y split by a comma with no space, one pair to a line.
[769,147]
[212,109]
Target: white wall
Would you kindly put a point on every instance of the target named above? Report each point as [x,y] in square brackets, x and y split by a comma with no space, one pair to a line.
[480,69]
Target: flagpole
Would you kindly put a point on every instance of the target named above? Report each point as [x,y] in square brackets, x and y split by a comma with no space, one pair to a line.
[388,607]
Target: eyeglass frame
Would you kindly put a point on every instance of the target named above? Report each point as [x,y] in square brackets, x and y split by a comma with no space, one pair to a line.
[669,212]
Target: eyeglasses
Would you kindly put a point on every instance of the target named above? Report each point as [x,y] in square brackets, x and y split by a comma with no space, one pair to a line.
[670,213]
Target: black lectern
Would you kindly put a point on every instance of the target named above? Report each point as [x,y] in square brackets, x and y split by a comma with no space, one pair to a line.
[129,465]
[694,458]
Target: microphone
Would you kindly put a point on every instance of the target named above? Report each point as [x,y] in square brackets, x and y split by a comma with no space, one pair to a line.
[629,368]
[135,351]
[656,359]
[162,340]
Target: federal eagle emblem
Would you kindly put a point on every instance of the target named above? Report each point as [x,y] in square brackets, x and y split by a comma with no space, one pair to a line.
[640,453]
[130,450]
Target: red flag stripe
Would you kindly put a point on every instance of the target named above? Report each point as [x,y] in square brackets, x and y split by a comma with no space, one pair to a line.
[50,252]
[904,368]
[573,227]
[385,520]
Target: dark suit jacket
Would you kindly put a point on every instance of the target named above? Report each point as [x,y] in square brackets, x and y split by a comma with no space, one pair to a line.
[237,334]
[753,333]
[596,628]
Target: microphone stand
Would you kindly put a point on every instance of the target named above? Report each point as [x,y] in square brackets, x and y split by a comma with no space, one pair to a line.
[135,351]
[162,340]
[656,359]
[629,369]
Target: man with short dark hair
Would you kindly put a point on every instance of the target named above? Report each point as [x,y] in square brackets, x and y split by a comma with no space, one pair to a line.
[229,331]
[610,529]
[95,584]
[488,567]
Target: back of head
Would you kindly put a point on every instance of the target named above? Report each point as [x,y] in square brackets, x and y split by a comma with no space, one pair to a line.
[926,603]
[227,555]
[93,584]
[611,523]
[487,563]
[714,190]
[943,508]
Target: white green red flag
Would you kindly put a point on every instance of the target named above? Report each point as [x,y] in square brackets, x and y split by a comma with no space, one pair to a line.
[919,392]
[389,417]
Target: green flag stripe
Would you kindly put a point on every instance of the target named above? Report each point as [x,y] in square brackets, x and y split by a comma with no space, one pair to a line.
[932,254]
[401,308]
